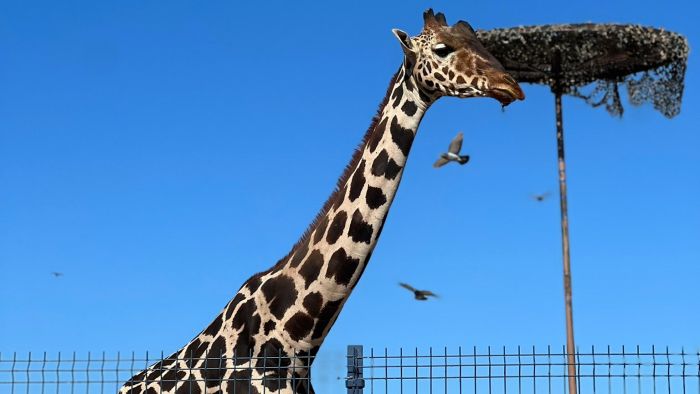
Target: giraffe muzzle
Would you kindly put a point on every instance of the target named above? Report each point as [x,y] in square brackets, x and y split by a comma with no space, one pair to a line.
[505,89]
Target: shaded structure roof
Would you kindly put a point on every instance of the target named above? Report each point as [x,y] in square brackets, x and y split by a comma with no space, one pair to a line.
[592,61]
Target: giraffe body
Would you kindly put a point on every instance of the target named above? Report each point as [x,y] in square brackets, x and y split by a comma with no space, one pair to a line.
[284,314]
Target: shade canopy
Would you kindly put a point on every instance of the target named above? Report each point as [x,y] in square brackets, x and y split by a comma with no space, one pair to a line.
[592,61]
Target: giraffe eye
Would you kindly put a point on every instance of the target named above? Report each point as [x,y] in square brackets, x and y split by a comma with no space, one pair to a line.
[442,50]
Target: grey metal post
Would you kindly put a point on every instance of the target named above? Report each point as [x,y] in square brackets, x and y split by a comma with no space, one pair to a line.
[563,207]
[354,381]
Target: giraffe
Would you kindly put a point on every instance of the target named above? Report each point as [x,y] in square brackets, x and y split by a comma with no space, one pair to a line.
[267,336]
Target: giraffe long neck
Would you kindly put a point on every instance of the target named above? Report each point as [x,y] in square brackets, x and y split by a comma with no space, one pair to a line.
[329,260]
[284,313]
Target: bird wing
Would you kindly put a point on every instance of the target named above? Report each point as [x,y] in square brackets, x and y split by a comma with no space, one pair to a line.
[428,293]
[440,162]
[406,286]
[456,144]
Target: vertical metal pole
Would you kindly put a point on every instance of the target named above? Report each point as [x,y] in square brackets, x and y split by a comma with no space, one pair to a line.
[570,345]
[354,381]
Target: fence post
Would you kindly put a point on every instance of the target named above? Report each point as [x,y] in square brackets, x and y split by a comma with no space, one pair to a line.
[354,381]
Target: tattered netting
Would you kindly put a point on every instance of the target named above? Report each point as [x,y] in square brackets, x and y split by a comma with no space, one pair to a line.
[595,60]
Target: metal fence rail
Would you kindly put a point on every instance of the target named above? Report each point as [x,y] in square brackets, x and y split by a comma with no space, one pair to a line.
[520,370]
[490,370]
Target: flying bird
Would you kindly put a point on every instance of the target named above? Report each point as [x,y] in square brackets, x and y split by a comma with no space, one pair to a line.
[540,197]
[421,295]
[57,274]
[452,153]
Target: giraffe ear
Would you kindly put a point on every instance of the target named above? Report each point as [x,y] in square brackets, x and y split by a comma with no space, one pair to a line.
[406,44]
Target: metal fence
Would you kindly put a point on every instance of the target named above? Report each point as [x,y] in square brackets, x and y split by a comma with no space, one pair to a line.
[606,370]
[490,370]
[102,373]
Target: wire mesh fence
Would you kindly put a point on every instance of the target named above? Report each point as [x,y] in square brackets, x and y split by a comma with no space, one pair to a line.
[606,370]
[490,370]
[103,373]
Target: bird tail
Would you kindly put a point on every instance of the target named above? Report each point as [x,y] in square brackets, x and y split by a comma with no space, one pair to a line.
[463,159]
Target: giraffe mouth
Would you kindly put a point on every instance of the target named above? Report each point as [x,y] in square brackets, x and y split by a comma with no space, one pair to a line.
[506,91]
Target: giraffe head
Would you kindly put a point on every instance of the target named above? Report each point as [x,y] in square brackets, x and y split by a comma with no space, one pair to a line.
[451,61]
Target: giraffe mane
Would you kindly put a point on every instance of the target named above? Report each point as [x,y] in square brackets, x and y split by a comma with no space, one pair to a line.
[357,154]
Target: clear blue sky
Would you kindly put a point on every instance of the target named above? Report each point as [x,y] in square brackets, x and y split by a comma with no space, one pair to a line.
[159,153]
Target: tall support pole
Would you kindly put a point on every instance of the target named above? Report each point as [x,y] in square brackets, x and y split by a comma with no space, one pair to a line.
[570,343]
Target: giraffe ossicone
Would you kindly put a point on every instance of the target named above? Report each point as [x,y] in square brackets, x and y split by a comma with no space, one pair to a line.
[267,336]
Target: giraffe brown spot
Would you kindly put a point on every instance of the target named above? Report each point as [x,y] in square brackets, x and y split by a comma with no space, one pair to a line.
[383,165]
[156,372]
[303,386]
[275,383]
[241,383]
[439,77]
[392,169]
[326,318]
[398,93]
[194,351]
[280,293]
[428,67]
[320,229]
[245,312]
[311,269]
[409,108]
[232,305]
[253,283]
[362,269]
[403,138]
[214,327]
[379,163]
[409,84]
[377,134]
[357,182]
[299,255]
[189,387]
[214,363]
[460,79]
[254,324]
[359,230]
[151,390]
[299,326]
[272,355]
[243,349]
[269,326]
[375,197]
[171,378]
[138,377]
[312,303]
[337,227]
[340,197]
[342,267]
[133,389]
[451,75]
[237,379]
